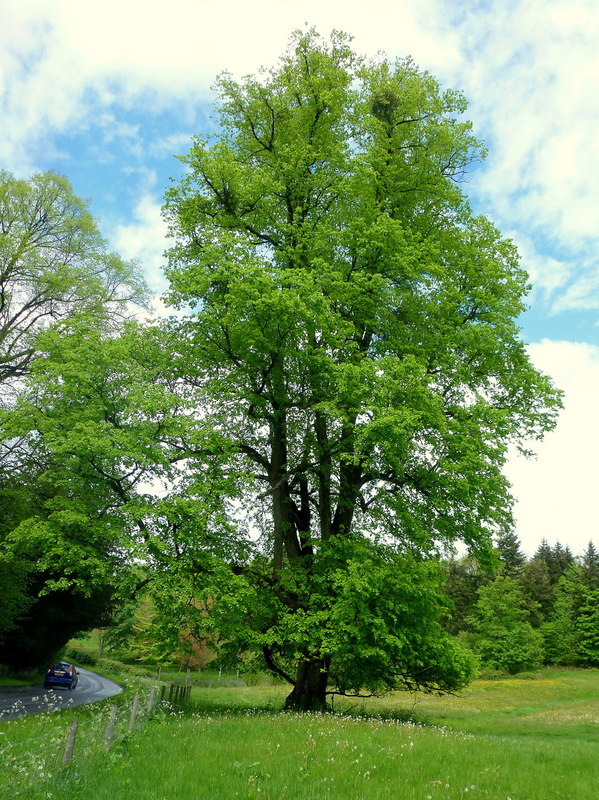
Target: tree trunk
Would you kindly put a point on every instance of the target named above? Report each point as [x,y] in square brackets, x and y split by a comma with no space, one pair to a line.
[309,692]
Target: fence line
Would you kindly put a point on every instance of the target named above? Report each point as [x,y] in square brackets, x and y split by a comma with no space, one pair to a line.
[34,761]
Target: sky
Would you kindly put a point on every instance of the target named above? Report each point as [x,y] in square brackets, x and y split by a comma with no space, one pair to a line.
[109,93]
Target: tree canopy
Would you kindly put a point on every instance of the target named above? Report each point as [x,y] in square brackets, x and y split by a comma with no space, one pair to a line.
[353,334]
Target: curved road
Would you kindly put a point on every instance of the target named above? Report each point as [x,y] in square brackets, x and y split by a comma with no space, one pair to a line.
[16,701]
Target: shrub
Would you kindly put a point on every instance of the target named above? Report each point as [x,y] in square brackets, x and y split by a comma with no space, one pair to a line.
[80,654]
[503,637]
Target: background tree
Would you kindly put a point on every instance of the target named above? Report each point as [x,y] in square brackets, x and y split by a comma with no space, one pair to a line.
[587,629]
[543,551]
[43,608]
[464,578]
[53,263]
[54,268]
[503,636]
[559,561]
[590,566]
[538,589]
[352,338]
[99,430]
[511,557]
[560,630]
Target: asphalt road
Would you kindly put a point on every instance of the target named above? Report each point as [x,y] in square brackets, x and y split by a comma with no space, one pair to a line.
[14,702]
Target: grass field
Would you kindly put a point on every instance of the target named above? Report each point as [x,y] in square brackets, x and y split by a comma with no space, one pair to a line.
[509,739]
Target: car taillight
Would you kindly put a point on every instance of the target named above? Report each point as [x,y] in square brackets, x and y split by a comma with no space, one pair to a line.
[71,671]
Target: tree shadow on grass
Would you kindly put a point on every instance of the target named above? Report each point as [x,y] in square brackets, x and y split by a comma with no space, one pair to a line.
[357,711]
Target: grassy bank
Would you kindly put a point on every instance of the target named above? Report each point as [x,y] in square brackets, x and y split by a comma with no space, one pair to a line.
[516,739]
[304,758]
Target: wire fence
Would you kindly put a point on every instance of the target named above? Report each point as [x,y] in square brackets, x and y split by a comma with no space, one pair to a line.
[25,766]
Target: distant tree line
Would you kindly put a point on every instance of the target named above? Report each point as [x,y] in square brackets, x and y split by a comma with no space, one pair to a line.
[533,611]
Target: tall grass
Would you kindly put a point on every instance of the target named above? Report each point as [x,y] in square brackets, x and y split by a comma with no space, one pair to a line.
[501,740]
[305,757]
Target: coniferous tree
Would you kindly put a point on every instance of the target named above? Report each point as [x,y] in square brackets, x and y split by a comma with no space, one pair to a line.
[590,566]
[560,628]
[560,559]
[538,589]
[464,577]
[587,628]
[557,559]
[511,557]
[543,551]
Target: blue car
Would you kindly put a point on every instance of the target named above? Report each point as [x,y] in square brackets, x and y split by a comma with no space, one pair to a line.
[61,675]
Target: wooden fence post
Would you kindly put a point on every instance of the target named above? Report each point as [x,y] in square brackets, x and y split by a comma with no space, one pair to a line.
[110,726]
[133,716]
[70,743]
[151,699]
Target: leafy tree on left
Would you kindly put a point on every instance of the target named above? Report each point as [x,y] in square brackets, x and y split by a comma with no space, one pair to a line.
[116,441]
[53,263]
[55,270]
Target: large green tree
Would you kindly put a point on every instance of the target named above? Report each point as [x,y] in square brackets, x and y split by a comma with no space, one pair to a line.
[351,332]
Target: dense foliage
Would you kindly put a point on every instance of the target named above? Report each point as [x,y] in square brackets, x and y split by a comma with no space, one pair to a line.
[55,269]
[542,611]
[351,333]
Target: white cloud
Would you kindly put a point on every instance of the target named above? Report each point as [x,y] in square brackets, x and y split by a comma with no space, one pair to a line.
[548,274]
[531,79]
[61,61]
[558,497]
[144,239]
[532,85]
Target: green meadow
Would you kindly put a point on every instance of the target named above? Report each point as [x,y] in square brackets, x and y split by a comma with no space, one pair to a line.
[512,739]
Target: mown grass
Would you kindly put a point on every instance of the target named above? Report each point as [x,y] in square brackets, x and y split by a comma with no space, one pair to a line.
[516,739]
[558,703]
